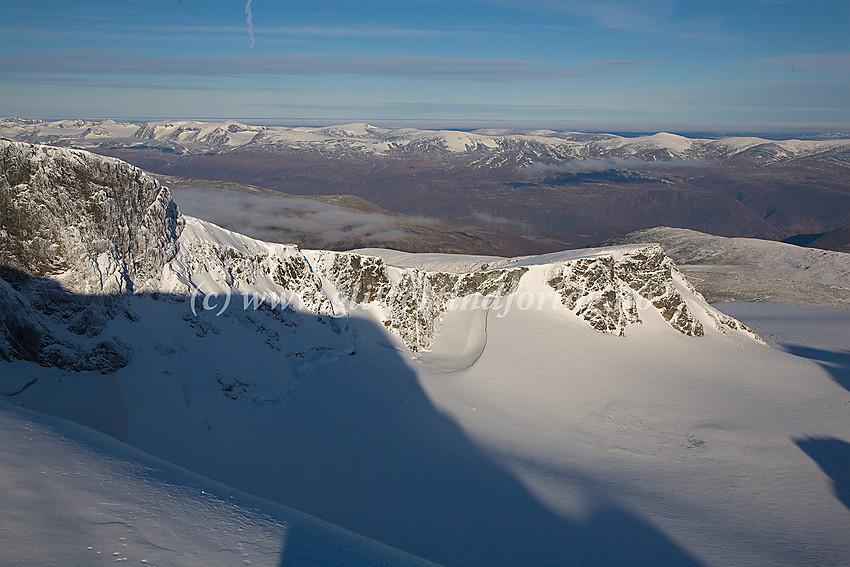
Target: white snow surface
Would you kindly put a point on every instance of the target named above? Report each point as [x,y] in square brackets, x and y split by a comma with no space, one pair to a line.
[463,414]
[529,437]
[526,436]
[461,263]
[74,497]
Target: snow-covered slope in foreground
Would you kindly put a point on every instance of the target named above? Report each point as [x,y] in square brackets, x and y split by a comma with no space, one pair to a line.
[73,497]
[577,408]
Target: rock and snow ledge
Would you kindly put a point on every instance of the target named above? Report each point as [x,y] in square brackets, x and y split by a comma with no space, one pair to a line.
[101,228]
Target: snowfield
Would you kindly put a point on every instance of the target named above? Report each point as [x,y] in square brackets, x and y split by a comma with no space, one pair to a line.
[586,407]
[73,497]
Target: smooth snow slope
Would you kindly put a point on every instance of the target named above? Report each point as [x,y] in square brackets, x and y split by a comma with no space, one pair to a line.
[704,440]
[538,441]
[73,497]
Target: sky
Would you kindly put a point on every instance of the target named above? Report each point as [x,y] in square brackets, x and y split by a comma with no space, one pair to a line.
[600,64]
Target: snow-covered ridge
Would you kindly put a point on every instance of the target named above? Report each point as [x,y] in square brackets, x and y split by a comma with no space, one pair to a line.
[536,438]
[100,227]
[482,148]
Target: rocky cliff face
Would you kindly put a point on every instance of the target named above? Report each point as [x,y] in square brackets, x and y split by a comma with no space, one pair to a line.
[81,232]
[98,225]
[76,230]
[410,301]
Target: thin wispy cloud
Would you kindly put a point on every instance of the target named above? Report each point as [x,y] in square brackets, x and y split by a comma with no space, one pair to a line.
[249,17]
[657,18]
[618,63]
[607,164]
[158,33]
[837,62]
[809,101]
[89,82]
[410,66]
[373,31]
[494,221]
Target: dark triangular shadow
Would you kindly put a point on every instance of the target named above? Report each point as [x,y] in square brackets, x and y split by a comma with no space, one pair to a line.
[833,457]
[836,362]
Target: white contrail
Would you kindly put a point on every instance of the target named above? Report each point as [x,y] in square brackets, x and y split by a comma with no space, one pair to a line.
[249,16]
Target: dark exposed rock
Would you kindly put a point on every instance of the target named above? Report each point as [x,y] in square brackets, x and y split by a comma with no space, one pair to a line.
[415,300]
[27,333]
[591,289]
[650,273]
[605,291]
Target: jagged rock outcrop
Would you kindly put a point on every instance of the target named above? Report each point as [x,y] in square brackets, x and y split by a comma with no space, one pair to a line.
[211,260]
[606,291]
[591,289]
[98,225]
[412,301]
[651,274]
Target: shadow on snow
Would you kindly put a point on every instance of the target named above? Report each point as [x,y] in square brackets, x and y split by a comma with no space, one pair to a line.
[833,457]
[343,432]
[837,363]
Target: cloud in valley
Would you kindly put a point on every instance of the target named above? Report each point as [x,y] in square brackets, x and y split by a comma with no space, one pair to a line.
[288,219]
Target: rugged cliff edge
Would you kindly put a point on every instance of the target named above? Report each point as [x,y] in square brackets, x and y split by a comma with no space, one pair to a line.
[95,224]
[79,232]
[76,230]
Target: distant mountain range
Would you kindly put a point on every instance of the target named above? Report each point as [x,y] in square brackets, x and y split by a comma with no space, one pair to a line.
[564,189]
[485,148]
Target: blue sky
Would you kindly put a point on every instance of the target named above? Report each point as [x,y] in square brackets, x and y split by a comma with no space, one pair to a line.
[600,64]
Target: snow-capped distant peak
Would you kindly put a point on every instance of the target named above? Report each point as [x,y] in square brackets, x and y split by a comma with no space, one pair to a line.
[354,130]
